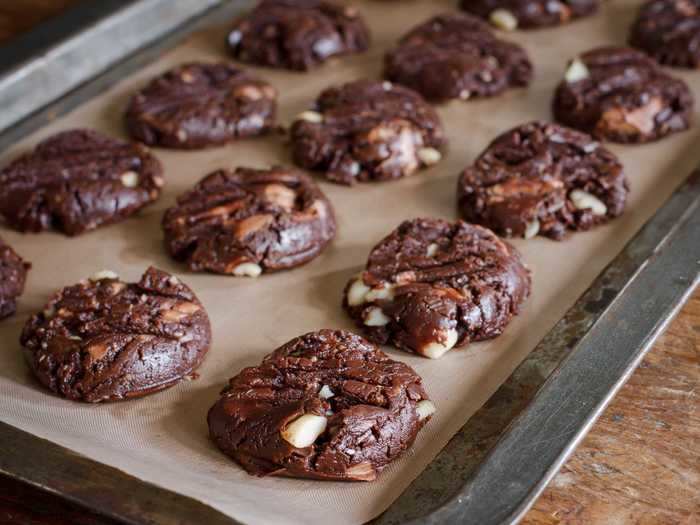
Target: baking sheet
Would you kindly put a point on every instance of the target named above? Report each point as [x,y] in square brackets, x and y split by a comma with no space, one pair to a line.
[163,438]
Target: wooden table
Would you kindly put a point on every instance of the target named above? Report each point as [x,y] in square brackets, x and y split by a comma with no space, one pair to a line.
[640,464]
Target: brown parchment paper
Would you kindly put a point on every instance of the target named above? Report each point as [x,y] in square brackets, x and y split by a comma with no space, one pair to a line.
[163,438]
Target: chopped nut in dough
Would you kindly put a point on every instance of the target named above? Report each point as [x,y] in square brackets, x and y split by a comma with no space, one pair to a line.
[436,349]
[357,292]
[429,156]
[425,409]
[384,292]
[311,116]
[326,392]
[103,274]
[582,200]
[503,19]
[303,431]
[247,270]
[532,229]
[576,71]
[130,179]
[375,317]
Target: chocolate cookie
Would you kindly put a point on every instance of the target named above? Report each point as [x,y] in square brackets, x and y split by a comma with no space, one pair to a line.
[249,221]
[620,94]
[198,105]
[457,56]
[529,14]
[297,34]
[105,340]
[432,285]
[13,274]
[365,131]
[327,405]
[542,178]
[669,31]
[76,181]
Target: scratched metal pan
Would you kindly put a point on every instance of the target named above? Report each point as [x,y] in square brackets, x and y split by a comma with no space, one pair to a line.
[495,467]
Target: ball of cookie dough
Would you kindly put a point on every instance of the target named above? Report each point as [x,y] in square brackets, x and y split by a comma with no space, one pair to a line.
[327,405]
[456,56]
[77,181]
[529,14]
[367,131]
[542,179]
[433,285]
[249,221]
[669,31]
[198,105]
[13,274]
[106,340]
[297,34]
[621,95]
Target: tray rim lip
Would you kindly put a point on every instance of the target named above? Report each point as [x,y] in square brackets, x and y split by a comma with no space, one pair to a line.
[36,119]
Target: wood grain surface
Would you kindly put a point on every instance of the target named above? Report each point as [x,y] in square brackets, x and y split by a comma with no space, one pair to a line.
[640,464]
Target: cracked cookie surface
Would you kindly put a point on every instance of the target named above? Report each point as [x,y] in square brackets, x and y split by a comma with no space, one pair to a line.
[13,274]
[621,95]
[457,56]
[106,340]
[432,285]
[198,105]
[529,14]
[77,181]
[327,405]
[542,179]
[297,34]
[249,221]
[669,31]
[367,131]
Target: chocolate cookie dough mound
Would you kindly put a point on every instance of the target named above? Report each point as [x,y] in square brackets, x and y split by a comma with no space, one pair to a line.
[297,34]
[456,56]
[249,221]
[529,14]
[198,105]
[542,178]
[620,94]
[669,31]
[432,285]
[13,274]
[105,340]
[76,181]
[367,131]
[327,405]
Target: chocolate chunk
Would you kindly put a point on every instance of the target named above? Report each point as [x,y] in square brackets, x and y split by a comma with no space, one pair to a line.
[105,340]
[669,31]
[297,34]
[367,131]
[542,178]
[13,274]
[456,56]
[620,94]
[529,14]
[327,405]
[432,285]
[198,105]
[76,181]
[249,221]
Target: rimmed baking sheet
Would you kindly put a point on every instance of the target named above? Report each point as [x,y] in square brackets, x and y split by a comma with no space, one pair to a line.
[163,438]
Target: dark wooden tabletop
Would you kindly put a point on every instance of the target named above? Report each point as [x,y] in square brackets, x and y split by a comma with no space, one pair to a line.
[640,464]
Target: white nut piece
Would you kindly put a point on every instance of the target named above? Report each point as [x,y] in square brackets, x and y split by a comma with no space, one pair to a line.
[303,431]
[375,317]
[387,86]
[425,409]
[104,274]
[436,349]
[247,270]
[503,19]
[532,229]
[429,156]
[583,200]
[384,293]
[432,250]
[357,292]
[576,71]
[311,116]
[465,94]
[325,392]
[130,179]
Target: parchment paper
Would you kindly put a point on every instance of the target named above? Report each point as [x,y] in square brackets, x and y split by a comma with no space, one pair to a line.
[163,438]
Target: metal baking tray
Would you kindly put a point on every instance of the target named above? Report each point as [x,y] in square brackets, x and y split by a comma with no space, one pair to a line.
[494,468]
